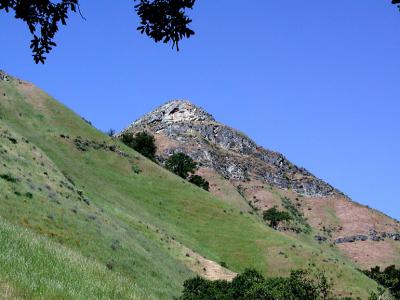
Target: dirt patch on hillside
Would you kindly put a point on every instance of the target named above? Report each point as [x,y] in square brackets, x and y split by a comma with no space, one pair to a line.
[258,193]
[356,218]
[338,217]
[206,268]
[7,292]
[320,212]
[34,95]
[346,217]
[368,254]
[164,143]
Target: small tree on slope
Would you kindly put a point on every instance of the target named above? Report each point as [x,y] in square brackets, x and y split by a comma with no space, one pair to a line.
[181,164]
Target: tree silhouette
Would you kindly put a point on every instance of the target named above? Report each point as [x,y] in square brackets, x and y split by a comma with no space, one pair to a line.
[181,164]
[199,181]
[274,216]
[142,142]
[161,20]
[165,20]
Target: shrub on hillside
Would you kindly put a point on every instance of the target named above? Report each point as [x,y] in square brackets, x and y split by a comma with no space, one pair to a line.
[8,177]
[181,164]
[299,223]
[251,285]
[200,182]
[142,142]
[275,216]
[389,278]
[136,169]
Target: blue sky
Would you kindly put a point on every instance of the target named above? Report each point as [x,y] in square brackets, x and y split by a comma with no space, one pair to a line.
[315,80]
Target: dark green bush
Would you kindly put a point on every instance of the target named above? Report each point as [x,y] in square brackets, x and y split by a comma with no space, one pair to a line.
[142,142]
[201,289]
[200,182]
[29,195]
[8,177]
[136,169]
[244,282]
[275,216]
[181,164]
[389,278]
[251,285]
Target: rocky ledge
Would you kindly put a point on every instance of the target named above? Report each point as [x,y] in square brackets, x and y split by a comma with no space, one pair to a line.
[231,153]
[173,112]
[372,235]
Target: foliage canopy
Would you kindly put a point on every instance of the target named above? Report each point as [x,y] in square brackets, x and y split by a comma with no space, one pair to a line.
[274,216]
[251,285]
[200,182]
[181,164]
[142,142]
[389,278]
[161,20]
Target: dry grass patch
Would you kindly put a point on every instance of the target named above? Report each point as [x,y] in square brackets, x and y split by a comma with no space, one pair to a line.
[369,254]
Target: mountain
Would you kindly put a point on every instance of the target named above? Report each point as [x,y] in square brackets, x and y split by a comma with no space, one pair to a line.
[225,150]
[84,216]
[261,179]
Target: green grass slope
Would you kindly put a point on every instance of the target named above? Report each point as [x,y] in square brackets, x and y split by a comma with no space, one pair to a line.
[39,268]
[114,225]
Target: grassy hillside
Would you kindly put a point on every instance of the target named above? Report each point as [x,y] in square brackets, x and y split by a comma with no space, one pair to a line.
[72,194]
[35,267]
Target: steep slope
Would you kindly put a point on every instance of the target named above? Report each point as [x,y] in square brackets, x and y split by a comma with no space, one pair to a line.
[71,194]
[261,178]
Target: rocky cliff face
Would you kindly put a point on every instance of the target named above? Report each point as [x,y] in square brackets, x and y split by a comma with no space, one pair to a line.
[189,129]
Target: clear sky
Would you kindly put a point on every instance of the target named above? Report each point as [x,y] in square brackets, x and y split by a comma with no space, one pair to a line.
[315,80]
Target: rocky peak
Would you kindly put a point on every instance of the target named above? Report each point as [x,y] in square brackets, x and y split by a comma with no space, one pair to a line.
[175,111]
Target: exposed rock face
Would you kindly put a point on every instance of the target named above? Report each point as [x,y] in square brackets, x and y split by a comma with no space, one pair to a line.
[372,235]
[3,76]
[351,239]
[187,128]
[173,112]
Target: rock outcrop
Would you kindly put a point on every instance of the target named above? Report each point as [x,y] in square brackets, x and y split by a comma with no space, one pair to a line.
[190,129]
[372,235]
[4,76]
